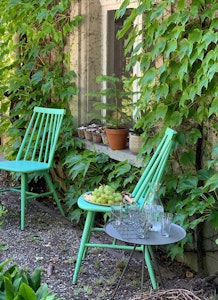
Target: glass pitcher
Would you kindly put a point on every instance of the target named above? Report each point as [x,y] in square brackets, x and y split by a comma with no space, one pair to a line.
[154,207]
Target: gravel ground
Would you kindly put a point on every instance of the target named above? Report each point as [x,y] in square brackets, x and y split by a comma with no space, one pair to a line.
[51,243]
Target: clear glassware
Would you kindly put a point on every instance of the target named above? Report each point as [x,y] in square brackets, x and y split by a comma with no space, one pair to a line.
[117,214]
[155,207]
[142,224]
[131,213]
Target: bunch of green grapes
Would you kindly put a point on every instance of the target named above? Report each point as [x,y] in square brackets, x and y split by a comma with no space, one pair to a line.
[105,194]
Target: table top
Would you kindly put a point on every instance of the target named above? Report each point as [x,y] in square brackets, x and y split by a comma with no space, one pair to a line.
[127,233]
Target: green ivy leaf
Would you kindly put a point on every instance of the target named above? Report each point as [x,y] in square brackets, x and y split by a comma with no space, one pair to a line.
[158,10]
[175,251]
[208,13]
[181,4]
[202,114]
[187,182]
[195,35]
[176,118]
[146,61]
[208,38]
[176,85]
[162,91]
[188,157]
[212,182]
[42,15]
[212,70]
[183,69]
[149,76]
[121,11]
[173,18]
[213,219]
[171,46]
[161,111]
[37,77]
[159,48]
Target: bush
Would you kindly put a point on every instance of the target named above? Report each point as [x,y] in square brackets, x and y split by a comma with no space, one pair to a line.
[21,285]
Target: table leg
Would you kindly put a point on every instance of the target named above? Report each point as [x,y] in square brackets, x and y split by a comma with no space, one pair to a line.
[157,266]
[143,268]
[124,270]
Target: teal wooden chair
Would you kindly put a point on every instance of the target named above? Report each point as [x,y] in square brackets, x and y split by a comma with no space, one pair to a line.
[152,174]
[36,155]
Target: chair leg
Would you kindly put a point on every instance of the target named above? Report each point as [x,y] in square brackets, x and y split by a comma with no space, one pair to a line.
[52,189]
[24,186]
[82,248]
[90,232]
[149,266]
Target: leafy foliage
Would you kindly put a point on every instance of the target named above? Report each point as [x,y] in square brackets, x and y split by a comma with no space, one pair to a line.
[35,68]
[89,170]
[178,58]
[21,285]
[119,102]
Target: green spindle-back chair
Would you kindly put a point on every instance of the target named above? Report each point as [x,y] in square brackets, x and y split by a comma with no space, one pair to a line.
[36,154]
[152,174]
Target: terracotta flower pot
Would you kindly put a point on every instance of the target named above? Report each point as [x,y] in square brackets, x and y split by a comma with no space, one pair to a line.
[117,138]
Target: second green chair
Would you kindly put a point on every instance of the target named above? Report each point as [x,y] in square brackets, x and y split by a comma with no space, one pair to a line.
[152,174]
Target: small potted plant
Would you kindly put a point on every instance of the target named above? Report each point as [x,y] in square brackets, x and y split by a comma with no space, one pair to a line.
[135,140]
[117,107]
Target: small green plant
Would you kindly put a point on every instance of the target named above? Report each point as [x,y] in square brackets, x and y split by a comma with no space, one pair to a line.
[3,211]
[120,264]
[88,290]
[99,281]
[118,103]
[114,278]
[18,284]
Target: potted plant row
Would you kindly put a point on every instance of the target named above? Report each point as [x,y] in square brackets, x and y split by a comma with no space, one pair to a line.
[93,132]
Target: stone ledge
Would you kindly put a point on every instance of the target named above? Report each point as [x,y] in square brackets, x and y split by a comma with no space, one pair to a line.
[119,155]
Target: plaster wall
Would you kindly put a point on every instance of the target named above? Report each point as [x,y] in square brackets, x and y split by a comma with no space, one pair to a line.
[210,252]
[86,56]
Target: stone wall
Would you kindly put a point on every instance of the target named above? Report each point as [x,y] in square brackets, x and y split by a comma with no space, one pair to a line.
[86,56]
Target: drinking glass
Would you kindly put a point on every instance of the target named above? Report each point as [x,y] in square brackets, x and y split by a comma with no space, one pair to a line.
[143,224]
[116,212]
[133,211]
[166,224]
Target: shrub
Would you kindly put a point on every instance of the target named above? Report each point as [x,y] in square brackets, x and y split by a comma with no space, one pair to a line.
[20,285]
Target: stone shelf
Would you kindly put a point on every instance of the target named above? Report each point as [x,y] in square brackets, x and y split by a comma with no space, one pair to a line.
[119,155]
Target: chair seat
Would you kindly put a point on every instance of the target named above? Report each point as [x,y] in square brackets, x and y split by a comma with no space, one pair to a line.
[23,166]
[83,204]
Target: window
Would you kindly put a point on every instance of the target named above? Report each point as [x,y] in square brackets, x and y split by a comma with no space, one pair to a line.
[113,60]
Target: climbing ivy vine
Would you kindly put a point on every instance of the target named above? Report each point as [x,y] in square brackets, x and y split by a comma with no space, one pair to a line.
[177,51]
[35,67]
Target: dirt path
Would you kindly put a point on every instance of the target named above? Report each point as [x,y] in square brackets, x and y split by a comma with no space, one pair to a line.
[51,243]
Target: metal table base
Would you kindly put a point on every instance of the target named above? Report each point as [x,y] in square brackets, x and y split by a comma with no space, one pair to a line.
[129,235]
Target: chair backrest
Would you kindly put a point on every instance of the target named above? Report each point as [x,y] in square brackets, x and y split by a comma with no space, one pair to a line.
[154,169]
[41,136]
